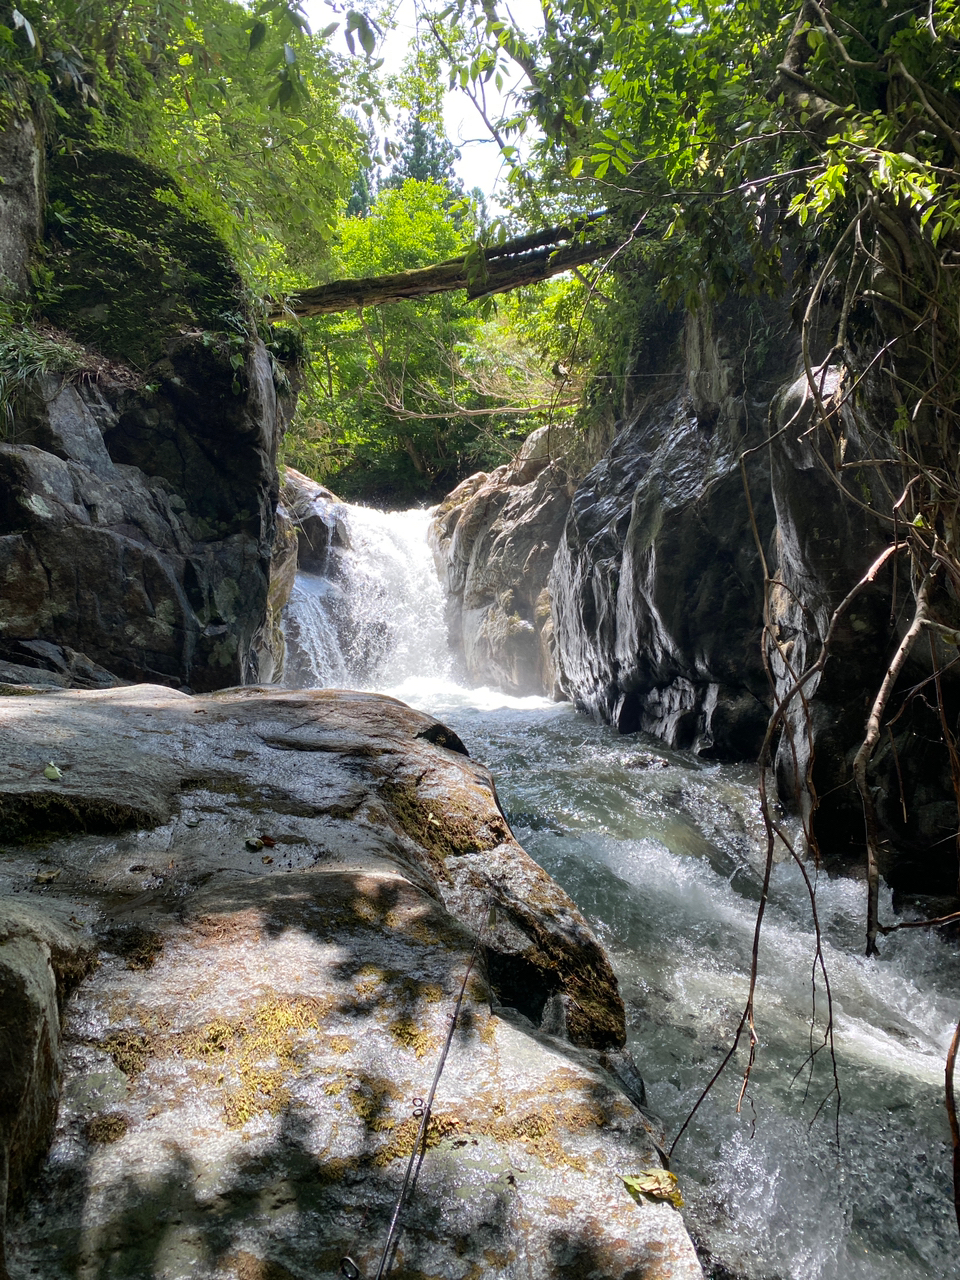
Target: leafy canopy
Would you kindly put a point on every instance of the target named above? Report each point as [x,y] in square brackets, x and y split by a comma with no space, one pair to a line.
[409,398]
[244,105]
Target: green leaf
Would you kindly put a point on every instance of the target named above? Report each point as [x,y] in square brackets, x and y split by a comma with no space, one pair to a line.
[258,34]
[368,40]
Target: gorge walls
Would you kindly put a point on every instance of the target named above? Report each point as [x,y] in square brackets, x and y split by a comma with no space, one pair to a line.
[137,527]
[652,608]
[494,540]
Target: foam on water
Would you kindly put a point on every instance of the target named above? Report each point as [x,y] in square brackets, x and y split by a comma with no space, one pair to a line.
[664,853]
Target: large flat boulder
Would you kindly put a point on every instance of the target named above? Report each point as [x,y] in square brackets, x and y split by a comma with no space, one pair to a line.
[287,892]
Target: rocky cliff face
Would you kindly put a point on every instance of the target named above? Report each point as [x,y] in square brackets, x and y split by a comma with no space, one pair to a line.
[657,583]
[284,893]
[137,526]
[656,589]
[138,493]
[21,202]
[824,546]
[494,539]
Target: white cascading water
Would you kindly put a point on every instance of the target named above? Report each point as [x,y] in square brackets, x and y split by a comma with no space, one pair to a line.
[663,852]
[377,620]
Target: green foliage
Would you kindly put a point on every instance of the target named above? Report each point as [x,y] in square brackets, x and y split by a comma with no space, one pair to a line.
[245,107]
[134,262]
[409,398]
[28,351]
[423,153]
[650,105]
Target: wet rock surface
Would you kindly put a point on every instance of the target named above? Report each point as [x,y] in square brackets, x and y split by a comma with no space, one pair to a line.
[43,954]
[270,641]
[285,892]
[651,609]
[494,538]
[824,546]
[657,583]
[314,511]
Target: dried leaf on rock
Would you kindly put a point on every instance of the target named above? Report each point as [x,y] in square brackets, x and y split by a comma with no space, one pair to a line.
[658,1184]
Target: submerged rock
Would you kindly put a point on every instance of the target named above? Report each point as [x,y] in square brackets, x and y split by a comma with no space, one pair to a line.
[287,891]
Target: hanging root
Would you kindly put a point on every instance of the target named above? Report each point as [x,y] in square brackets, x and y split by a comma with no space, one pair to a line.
[868,746]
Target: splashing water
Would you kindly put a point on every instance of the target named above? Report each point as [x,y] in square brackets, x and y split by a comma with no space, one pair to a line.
[378,618]
[663,852]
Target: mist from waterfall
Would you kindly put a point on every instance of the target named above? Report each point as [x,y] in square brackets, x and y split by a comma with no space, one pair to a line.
[663,852]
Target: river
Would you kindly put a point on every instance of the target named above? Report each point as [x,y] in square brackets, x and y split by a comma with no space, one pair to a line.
[663,853]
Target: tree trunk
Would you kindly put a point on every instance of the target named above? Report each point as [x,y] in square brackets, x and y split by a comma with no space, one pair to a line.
[507,266]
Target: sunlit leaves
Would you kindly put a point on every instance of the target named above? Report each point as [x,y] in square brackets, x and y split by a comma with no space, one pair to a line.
[241,102]
[657,1184]
[358,23]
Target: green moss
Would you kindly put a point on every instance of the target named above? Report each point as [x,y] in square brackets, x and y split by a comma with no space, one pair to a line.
[407,1033]
[257,1055]
[107,1128]
[138,946]
[452,829]
[33,817]
[133,262]
[129,1050]
[371,1097]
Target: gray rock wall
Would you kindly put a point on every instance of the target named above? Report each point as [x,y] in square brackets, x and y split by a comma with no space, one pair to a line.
[43,954]
[494,538]
[20,202]
[657,589]
[137,525]
[657,584]
[824,545]
[138,534]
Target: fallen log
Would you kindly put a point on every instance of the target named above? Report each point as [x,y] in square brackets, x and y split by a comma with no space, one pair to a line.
[524,260]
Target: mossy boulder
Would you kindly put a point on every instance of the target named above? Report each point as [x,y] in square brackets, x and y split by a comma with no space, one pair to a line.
[134,262]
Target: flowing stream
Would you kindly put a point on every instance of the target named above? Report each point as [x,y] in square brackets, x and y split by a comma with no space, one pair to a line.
[663,853]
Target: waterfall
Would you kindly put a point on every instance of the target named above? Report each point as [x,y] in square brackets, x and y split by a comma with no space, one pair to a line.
[663,852]
[375,620]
